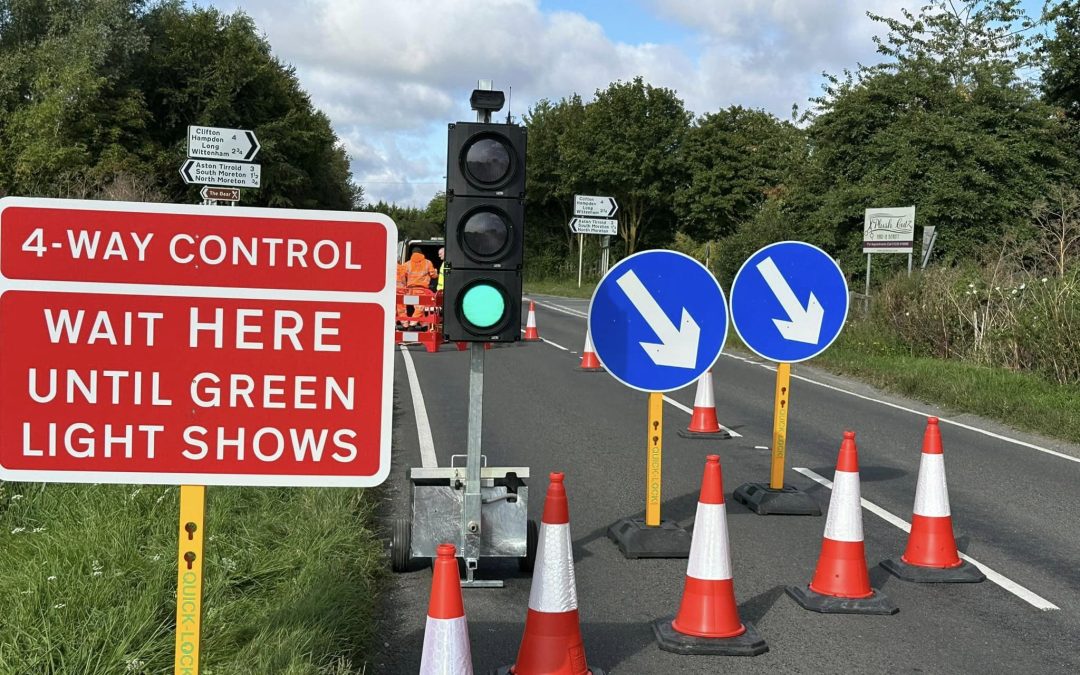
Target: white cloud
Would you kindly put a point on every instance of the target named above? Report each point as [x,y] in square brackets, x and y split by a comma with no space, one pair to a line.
[391,74]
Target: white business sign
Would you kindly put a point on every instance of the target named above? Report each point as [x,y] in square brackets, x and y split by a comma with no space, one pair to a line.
[594,226]
[594,207]
[225,174]
[238,145]
[889,230]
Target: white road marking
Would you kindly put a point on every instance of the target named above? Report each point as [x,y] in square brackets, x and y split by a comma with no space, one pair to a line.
[761,447]
[553,344]
[559,308]
[423,426]
[1008,584]
[689,410]
[583,315]
[920,413]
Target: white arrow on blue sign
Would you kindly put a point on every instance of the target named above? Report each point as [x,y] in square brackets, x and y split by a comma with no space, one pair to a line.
[789,301]
[658,320]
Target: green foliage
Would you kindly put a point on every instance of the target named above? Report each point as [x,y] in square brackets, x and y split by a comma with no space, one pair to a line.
[90,579]
[735,159]
[946,125]
[92,91]
[415,223]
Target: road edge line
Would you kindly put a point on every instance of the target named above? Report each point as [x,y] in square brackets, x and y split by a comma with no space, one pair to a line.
[428,460]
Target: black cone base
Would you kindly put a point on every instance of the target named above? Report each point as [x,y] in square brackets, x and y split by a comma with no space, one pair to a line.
[704,435]
[749,643]
[877,603]
[966,573]
[765,501]
[637,540]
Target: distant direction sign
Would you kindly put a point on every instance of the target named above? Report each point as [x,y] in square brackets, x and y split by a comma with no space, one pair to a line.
[228,174]
[238,145]
[594,226]
[889,230]
[658,320]
[220,194]
[789,301]
[594,207]
[157,343]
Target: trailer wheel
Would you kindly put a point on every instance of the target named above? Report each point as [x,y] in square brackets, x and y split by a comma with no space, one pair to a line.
[400,544]
[532,539]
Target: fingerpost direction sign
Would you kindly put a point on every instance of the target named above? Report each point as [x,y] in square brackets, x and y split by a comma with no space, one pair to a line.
[594,226]
[183,344]
[237,145]
[658,320]
[789,301]
[224,174]
[595,207]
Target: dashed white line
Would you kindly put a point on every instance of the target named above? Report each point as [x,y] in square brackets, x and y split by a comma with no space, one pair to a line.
[553,344]
[1028,596]
[423,426]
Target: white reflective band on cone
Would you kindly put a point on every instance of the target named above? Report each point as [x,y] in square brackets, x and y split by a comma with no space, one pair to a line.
[710,555]
[932,494]
[446,648]
[531,321]
[704,396]
[553,587]
[588,342]
[845,508]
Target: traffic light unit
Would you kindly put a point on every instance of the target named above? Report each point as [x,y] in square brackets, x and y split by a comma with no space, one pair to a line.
[485,232]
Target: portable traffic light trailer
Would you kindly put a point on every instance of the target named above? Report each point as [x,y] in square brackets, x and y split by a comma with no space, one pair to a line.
[482,510]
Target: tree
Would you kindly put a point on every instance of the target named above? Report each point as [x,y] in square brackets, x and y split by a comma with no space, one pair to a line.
[734,158]
[944,124]
[1057,219]
[549,188]
[628,147]
[94,92]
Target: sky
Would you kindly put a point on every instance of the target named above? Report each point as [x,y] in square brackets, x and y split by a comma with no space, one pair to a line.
[391,74]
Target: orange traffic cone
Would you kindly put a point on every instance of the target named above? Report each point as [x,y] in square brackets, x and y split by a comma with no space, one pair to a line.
[703,423]
[841,582]
[589,362]
[446,635]
[531,334]
[552,643]
[708,619]
[931,554]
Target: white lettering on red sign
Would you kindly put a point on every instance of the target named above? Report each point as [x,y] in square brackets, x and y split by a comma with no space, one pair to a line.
[277,372]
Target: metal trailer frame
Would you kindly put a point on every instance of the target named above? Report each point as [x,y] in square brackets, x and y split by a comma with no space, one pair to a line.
[482,510]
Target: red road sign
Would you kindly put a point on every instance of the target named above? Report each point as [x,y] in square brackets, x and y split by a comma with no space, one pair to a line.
[152,343]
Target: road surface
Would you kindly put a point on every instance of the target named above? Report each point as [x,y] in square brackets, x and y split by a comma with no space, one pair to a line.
[1014,498]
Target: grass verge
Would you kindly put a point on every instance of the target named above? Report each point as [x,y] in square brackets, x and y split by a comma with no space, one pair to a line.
[566,288]
[1023,400]
[89,583]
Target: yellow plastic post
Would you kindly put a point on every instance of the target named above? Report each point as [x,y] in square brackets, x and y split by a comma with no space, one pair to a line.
[779,434]
[654,460]
[189,579]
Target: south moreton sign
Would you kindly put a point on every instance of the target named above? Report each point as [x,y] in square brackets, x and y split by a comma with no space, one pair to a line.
[197,345]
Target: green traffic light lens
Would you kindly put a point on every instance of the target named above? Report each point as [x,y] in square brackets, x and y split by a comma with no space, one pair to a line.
[483,305]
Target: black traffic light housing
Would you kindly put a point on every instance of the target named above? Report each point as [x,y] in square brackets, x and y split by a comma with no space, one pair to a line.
[485,231]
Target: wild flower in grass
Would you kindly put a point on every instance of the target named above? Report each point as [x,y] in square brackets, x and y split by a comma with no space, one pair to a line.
[59,605]
[51,578]
[156,557]
[16,498]
[135,665]
[37,530]
[1044,280]
[1023,286]
[18,530]
[97,567]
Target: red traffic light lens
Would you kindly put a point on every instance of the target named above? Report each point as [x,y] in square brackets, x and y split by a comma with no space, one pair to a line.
[488,161]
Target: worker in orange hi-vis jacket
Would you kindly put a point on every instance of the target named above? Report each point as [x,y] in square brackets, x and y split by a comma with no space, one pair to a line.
[419,272]
[401,281]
